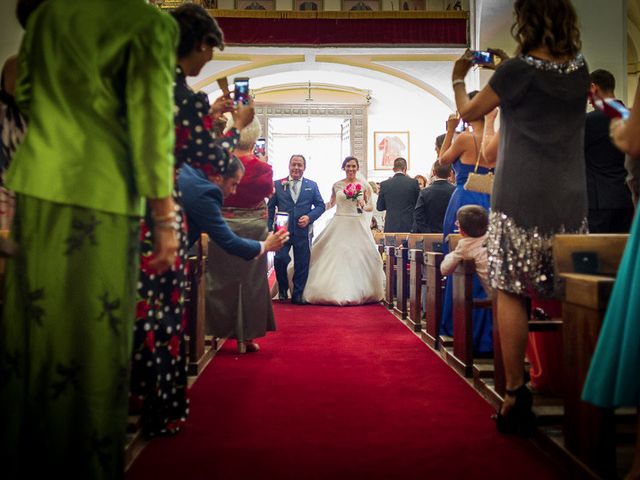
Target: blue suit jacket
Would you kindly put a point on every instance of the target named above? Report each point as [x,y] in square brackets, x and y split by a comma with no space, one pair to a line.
[202,203]
[309,203]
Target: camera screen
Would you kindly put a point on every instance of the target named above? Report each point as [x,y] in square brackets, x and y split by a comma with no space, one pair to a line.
[261,147]
[482,58]
[241,92]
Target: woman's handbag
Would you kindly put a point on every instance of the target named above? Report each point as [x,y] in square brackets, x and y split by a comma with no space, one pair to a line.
[479,182]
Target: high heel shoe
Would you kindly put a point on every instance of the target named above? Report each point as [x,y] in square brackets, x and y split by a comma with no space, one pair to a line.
[519,419]
[242,347]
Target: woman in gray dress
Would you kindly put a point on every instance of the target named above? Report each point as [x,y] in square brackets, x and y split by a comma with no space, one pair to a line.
[539,188]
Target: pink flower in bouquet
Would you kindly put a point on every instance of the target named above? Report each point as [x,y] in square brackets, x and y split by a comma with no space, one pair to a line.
[353,191]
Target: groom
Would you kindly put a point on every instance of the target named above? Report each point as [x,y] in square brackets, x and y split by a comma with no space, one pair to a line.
[301,199]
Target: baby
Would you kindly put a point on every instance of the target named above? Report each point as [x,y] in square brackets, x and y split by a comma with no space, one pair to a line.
[473,222]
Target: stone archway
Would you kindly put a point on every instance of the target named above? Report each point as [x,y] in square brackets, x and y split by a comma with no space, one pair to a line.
[356,113]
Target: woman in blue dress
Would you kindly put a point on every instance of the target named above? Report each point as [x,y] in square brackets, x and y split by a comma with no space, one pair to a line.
[462,153]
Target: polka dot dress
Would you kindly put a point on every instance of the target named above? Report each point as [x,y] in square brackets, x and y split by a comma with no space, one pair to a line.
[158,373]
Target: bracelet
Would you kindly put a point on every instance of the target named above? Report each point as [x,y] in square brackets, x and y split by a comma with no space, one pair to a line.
[459,81]
[171,225]
[163,218]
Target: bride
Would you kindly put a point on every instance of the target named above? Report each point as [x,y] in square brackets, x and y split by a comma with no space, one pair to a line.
[345,266]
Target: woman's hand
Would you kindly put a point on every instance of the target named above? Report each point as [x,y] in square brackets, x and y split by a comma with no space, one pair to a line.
[462,66]
[243,114]
[165,247]
[220,106]
[501,54]
[490,118]
[275,241]
[452,122]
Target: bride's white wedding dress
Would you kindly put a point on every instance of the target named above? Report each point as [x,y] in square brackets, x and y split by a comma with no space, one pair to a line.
[345,266]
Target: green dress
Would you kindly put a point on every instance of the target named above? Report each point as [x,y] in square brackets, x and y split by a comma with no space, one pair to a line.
[614,376]
[95,84]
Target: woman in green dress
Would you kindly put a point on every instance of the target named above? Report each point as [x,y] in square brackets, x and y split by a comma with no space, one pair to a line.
[614,376]
[97,93]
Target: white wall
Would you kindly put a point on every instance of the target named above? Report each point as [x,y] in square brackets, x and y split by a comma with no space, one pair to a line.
[10,30]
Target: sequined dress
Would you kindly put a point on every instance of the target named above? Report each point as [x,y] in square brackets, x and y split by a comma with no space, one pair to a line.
[540,186]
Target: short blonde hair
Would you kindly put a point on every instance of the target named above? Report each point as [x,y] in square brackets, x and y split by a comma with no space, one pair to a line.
[248,135]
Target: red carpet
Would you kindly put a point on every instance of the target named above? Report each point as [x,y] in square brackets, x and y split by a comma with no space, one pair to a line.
[337,393]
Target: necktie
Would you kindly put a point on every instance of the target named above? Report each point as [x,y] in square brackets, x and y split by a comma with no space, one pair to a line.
[295,188]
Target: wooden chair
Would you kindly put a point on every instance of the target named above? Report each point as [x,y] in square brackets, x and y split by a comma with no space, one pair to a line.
[587,265]
[418,246]
[198,352]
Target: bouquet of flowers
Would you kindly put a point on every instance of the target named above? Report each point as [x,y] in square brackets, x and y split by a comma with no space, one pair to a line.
[353,191]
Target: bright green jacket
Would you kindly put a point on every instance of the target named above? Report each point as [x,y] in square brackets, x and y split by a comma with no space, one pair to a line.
[96,84]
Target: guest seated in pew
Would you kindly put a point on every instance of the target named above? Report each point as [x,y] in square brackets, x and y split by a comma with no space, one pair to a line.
[473,221]
[238,297]
[538,191]
[614,376]
[202,197]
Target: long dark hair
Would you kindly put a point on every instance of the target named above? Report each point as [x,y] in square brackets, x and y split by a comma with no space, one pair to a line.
[24,9]
[552,23]
[196,26]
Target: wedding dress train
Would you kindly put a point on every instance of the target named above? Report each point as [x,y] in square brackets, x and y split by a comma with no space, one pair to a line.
[345,266]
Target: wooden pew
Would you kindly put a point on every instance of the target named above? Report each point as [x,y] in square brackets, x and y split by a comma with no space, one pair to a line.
[402,272]
[198,352]
[443,340]
[391,241]
[461,358]
[418,246]
[435,291]
[587,265]
[389,268]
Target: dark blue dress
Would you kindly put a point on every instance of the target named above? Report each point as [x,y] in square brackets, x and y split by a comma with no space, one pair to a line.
[482,319]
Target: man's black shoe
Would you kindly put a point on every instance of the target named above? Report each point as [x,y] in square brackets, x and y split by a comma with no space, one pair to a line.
[283,295]
[298,301]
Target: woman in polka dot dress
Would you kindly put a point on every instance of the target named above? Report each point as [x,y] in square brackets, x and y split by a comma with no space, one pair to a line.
[159,376]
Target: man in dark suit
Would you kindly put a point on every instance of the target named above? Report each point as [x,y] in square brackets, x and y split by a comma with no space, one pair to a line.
[610,205]
[202,197]
[301,199]
[398,196]
[433,201]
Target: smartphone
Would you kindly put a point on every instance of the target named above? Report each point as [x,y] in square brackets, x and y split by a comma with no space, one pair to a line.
[462,126]
[241,91]
[261,147]
[479,57]
[611,107]
[282,221]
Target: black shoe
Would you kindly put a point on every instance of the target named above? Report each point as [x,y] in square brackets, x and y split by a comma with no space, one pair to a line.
[519,419]
[298,301]
[283,295]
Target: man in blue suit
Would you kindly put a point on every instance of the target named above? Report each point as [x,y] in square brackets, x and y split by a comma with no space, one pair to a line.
[301,199]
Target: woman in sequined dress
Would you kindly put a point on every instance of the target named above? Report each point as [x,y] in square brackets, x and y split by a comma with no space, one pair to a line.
[539,187]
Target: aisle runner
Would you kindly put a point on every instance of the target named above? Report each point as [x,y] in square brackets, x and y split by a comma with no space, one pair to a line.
[337,393]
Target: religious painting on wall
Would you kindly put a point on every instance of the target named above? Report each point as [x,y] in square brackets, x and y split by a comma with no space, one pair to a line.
[413,5]
[308,5]
[361,5]
[209,4]
[389,146]
[255,4]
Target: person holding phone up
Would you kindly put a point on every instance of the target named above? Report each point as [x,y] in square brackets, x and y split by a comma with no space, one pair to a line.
[540,186]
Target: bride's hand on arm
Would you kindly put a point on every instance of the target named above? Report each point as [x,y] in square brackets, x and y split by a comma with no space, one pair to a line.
[331,202]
